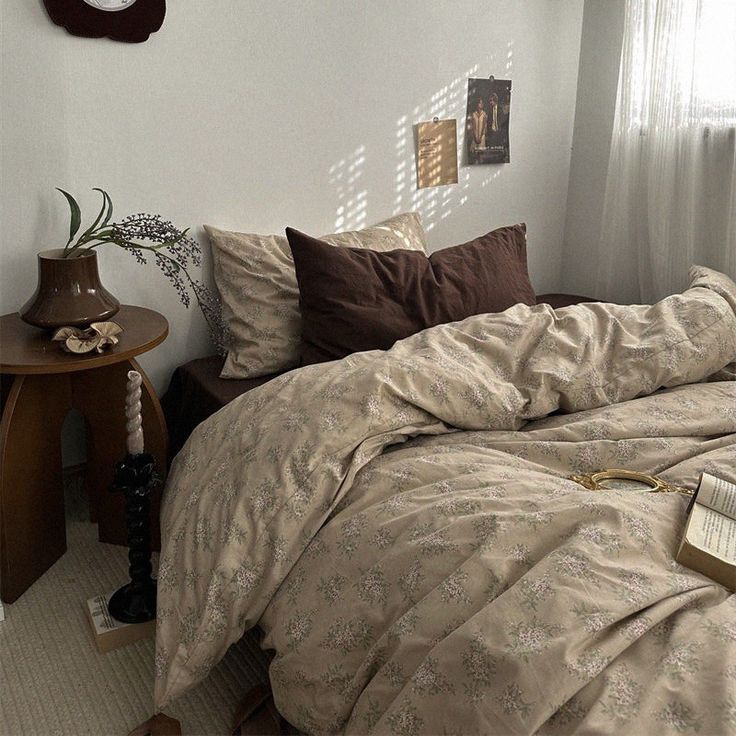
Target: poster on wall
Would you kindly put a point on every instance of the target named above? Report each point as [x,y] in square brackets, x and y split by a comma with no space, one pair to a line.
[487,123]
[436,153]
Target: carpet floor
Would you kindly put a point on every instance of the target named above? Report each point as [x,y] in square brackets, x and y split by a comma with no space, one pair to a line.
[54,681]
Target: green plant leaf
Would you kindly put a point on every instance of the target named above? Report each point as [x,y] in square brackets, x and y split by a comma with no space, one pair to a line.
[108,201]
[93,227]
[76,215]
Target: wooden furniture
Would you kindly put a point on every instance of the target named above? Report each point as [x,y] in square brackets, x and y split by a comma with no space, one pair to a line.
[40,384]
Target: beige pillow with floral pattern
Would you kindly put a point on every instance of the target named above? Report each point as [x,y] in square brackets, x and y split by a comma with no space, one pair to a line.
[260,297]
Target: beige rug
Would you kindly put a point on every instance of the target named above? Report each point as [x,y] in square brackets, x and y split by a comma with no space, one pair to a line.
[54,681]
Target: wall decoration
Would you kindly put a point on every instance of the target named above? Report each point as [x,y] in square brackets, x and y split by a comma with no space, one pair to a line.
[487,124]
[436,153]
[121,20]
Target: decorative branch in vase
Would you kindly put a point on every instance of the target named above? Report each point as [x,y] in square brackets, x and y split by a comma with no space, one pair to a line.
[143,235]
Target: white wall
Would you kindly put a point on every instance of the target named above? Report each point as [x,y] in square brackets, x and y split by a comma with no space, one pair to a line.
[254,115]
[600,55]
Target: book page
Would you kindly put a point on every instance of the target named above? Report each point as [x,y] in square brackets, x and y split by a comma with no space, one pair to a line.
[712,532]
[717,494]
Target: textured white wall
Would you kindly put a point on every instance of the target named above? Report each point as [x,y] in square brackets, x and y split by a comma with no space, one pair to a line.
[254,115]
[600,55]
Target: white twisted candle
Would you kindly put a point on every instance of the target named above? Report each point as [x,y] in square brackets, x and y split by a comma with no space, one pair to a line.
[134,424]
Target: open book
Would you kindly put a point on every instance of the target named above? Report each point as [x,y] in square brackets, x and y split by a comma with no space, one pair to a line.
[709,542]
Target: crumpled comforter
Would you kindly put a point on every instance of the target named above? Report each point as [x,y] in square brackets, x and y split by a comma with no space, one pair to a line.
[458,582]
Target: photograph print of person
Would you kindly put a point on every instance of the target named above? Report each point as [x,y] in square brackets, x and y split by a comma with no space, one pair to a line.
[487,128]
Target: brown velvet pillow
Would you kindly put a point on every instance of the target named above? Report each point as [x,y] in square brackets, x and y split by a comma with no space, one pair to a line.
[353,299]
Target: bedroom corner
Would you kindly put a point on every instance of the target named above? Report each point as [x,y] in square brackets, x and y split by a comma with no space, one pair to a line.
[381,357]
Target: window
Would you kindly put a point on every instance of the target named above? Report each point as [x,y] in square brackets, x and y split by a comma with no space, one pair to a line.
[684,63]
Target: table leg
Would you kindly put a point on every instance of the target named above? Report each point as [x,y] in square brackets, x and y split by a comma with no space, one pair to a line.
[100,395]
[32,526]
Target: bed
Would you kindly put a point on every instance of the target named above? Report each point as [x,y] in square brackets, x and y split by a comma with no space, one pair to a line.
[402,526]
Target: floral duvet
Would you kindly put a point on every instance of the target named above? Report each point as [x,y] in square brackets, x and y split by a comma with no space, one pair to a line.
[401,526]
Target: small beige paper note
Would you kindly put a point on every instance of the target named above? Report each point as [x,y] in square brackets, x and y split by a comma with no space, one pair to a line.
[436,153]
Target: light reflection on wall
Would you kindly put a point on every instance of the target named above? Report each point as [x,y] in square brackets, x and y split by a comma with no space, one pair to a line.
[352,201]
[433,203]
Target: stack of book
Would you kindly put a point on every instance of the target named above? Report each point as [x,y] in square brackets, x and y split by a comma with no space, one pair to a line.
[110,633]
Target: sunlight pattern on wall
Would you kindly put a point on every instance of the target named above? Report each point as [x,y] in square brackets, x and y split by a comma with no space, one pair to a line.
[434,204]
[352,201]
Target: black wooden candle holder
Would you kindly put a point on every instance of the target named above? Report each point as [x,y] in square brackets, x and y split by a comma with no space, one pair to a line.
[136,477]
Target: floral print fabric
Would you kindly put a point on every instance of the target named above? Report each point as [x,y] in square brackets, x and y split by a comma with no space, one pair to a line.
[464,585]
[458,582]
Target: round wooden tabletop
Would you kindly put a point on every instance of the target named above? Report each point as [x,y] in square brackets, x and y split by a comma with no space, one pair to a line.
[25,349]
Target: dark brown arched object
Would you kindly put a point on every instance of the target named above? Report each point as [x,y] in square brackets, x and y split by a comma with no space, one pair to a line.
[133,25]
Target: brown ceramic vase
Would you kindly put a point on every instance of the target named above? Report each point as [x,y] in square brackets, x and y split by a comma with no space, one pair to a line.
[69,292]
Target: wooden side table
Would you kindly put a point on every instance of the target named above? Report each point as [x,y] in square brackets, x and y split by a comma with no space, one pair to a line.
[40,384]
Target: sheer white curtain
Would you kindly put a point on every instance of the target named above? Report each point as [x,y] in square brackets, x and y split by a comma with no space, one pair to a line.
[671,184]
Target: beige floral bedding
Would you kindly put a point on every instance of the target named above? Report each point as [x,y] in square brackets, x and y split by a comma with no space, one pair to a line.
[408,540]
